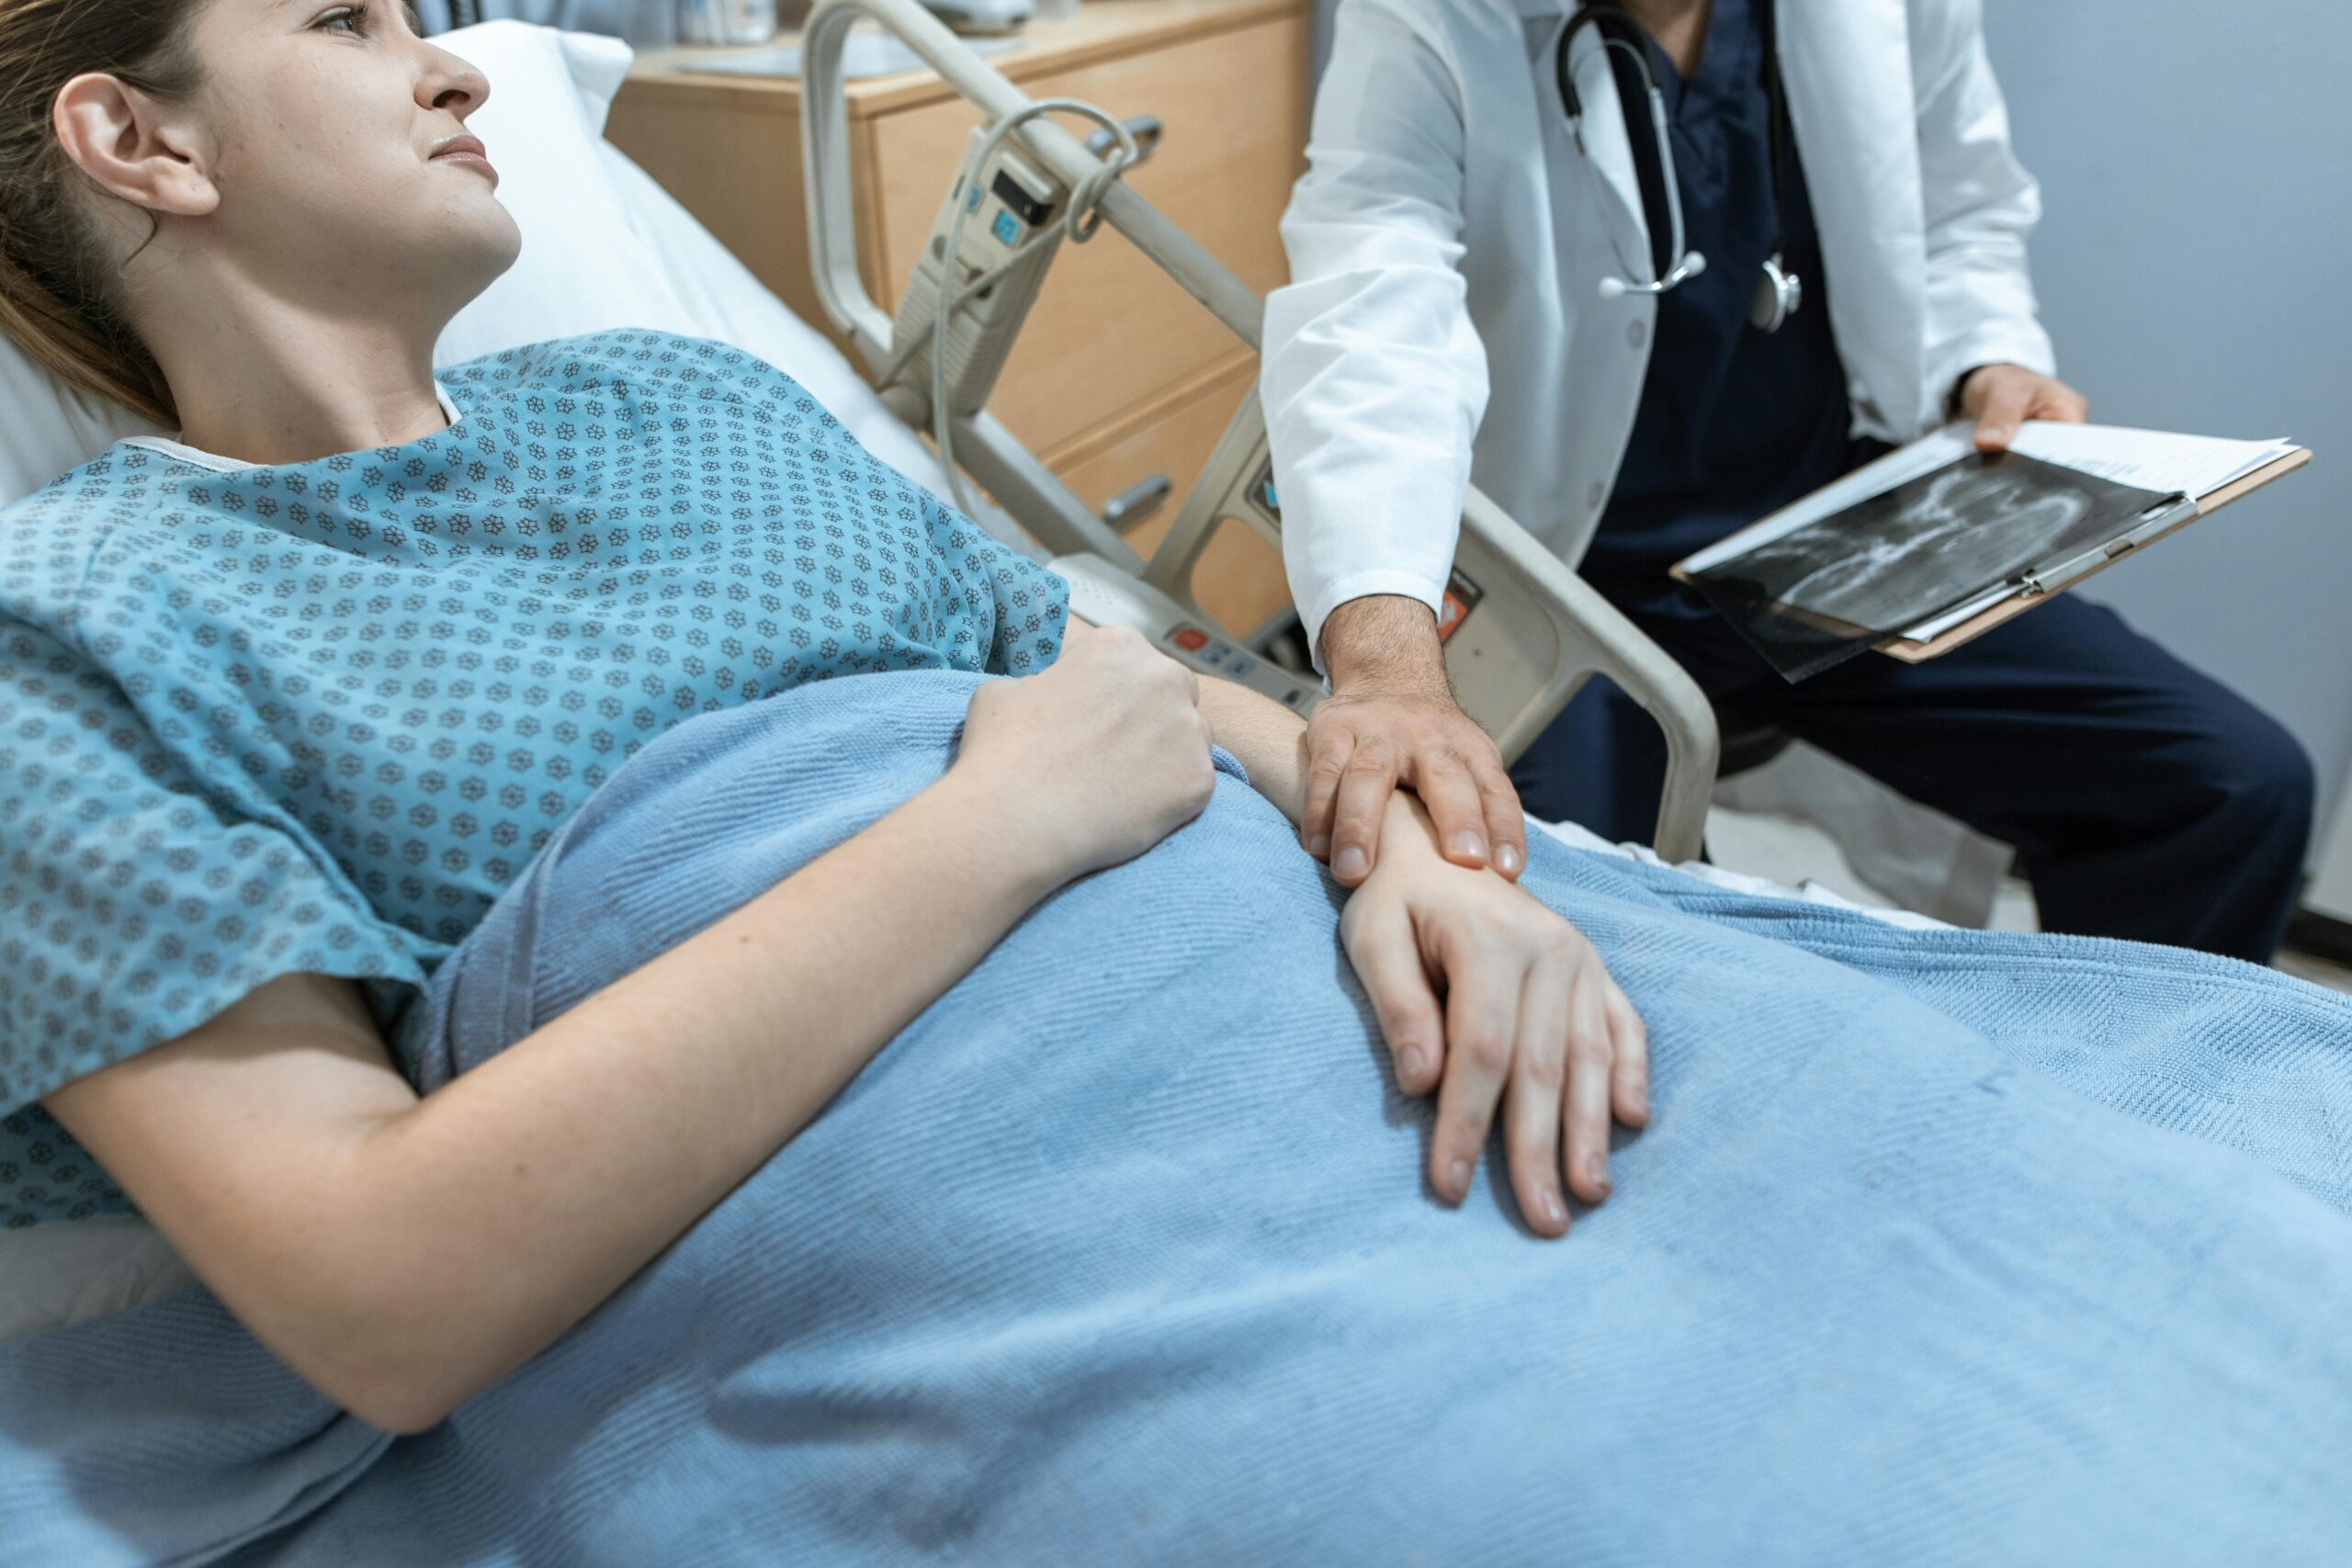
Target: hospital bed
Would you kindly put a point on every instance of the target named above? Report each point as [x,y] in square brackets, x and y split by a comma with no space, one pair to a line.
[631,257]
[1528,632]
[607,247]
[1523,631]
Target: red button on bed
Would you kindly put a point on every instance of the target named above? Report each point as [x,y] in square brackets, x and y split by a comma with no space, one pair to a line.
[1192,639]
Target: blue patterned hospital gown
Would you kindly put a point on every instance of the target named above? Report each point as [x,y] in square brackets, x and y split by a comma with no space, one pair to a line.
[313,717]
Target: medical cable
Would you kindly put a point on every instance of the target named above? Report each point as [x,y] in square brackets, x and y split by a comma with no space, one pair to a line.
[1080,221]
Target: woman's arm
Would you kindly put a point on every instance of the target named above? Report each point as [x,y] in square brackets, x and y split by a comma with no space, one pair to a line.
[404,1253]
[1485,996]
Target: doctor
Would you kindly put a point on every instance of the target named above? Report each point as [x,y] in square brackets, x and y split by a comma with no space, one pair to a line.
[1489,283]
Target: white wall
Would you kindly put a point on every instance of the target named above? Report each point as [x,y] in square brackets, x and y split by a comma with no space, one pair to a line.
[2329,892]
[2195,265]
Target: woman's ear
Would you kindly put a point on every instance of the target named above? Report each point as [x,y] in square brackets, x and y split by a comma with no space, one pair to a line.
[134,147]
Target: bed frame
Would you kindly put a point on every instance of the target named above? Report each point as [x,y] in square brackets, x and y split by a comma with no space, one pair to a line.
[1526,632]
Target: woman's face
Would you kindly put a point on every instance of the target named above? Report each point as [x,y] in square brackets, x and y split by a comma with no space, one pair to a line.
[336,142]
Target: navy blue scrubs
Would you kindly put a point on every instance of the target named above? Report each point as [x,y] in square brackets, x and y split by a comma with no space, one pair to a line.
[2144,799]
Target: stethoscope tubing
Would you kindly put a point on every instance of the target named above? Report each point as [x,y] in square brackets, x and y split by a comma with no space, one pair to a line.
[1686,262]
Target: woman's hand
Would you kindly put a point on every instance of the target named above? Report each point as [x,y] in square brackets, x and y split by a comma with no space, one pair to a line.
[1099,757]
[1530,1020]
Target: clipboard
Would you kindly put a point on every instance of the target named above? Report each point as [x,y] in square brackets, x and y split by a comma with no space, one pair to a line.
[2057,581]
[2025,597]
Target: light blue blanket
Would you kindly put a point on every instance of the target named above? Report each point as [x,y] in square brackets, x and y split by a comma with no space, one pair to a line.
[1943,1248]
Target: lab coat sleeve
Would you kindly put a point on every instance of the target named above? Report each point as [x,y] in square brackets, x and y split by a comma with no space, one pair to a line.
[1980,206]
[1372,379]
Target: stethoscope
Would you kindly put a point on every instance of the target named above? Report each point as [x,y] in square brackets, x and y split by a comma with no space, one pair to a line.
[1779,292]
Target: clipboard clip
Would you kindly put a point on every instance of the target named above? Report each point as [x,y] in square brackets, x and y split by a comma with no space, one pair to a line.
[2161,518]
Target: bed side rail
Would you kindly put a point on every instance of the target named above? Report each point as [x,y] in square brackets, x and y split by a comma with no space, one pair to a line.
[1523,632]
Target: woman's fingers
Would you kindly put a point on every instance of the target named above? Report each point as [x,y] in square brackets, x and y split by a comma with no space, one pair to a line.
[1387,960]
[1499,1005]
[1481,1028]
[1584,1112]
[1629,1074]
[1532,1107]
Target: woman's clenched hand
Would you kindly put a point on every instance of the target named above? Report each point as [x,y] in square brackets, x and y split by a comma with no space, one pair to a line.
[1495,1003]
[1098,758]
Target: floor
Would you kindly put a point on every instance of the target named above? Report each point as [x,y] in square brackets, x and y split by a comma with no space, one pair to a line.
[1787,850]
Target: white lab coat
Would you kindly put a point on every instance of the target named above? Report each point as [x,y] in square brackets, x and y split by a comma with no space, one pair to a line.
[1447,242]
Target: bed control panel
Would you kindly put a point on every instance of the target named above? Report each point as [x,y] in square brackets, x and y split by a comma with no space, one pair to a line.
[1211,654]
[1105,595]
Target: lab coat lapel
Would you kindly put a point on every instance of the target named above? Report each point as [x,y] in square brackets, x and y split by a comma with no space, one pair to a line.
[1848,66]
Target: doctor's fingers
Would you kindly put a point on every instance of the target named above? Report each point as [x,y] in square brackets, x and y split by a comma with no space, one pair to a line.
[1329,746]
[1506,819]
[1386,957]
[2008,396]
[2055,400]
[1456,806]
[1366,786]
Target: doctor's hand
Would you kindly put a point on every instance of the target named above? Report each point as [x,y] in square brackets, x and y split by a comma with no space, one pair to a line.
[1492,1000]
[1391,721]
[1999,398]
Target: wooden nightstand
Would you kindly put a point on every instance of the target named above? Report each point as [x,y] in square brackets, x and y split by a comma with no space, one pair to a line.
[1119,375]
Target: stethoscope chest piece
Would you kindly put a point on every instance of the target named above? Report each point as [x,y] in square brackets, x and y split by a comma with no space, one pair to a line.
[1779,294]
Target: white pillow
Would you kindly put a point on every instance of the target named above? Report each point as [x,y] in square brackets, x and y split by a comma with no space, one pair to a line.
[46,427]
[581,269]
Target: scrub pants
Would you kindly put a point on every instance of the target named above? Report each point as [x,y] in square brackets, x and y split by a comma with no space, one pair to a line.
[2144,799]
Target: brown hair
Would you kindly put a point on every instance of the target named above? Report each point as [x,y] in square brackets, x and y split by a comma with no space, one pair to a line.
[57,301]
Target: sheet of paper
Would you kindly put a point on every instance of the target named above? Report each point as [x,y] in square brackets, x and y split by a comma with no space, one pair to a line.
[2148,459]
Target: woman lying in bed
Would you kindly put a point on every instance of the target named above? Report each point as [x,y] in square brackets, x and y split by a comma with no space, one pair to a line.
[452,885]
[338,701]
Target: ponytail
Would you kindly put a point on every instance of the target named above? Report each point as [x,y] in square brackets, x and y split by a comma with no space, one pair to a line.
[58,298]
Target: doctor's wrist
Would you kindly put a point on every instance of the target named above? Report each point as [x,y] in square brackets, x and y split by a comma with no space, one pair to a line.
[1384,643]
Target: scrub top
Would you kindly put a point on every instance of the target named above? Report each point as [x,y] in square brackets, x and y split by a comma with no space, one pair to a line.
[1733,422]
[315,716]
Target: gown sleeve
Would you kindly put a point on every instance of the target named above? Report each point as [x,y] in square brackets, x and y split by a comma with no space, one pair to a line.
[1015,612]
[133,904]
